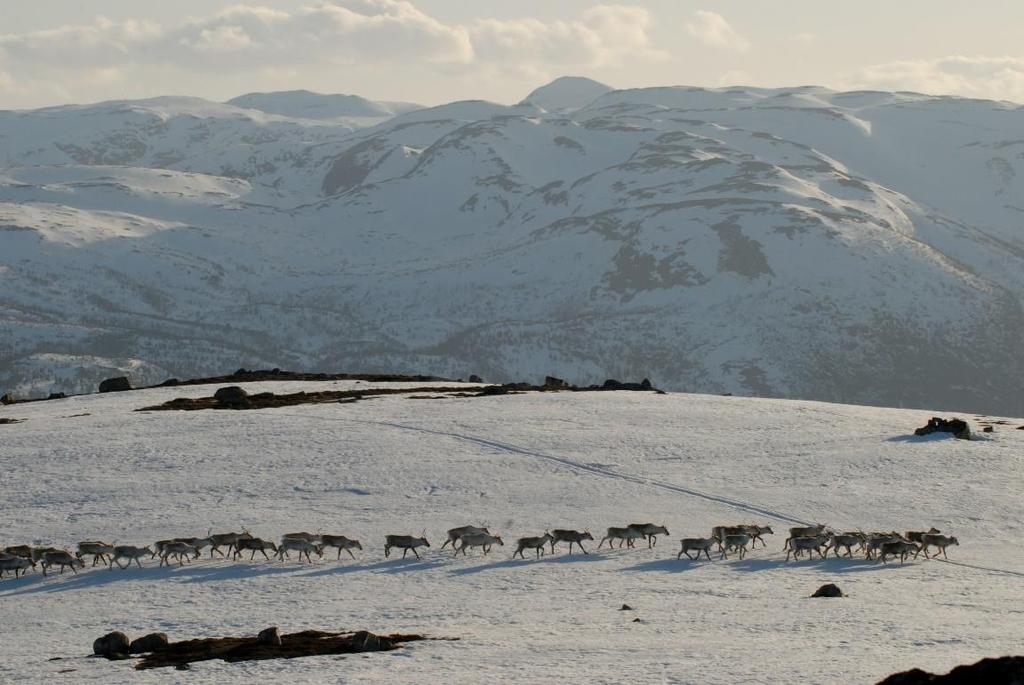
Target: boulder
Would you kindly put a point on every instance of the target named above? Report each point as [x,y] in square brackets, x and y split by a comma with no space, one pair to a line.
[8,398]
[371,642]
[170,383]
[475,379]
[113,645]
[269,636]
[958,427]
[56,396]
[625,607]
[987,429]
[154,642]
[828,590]
[553,382]
[1006,670]
[233,397]
[119,384]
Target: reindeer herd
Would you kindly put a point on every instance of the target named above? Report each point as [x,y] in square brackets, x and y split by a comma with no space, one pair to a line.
[724,540]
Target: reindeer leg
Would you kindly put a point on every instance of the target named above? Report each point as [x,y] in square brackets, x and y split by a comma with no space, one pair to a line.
[349,553]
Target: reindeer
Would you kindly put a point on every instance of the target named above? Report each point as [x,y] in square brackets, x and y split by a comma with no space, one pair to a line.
[936,540]
[14,563]
[99,551]
[804,532]
[650,532]
[229,539]
[874,542]
[25,552]
[308,537]
[847,540]
[755,532]
[573,537]
[900,548]
[129,552]
[807,543]
[720,532]
[482,540]
[455,533]
[404,543]
[256,545]
[916,535]
[534,543]
[699,544]
[177,550]
[624,535]
[61,558]
[736,542]
[298,545]
[342,543]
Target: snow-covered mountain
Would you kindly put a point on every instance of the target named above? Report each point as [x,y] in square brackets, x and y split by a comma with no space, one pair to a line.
[863,247]
[303,104]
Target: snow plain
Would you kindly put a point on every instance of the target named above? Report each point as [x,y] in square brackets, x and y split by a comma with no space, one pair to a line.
[91,467]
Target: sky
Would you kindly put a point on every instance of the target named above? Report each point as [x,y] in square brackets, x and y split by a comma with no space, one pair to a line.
[434,51]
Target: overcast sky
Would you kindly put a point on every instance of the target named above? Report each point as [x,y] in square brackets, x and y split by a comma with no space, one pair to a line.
[433,51]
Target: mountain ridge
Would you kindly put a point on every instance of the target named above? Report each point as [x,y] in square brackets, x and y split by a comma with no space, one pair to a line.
[780,242]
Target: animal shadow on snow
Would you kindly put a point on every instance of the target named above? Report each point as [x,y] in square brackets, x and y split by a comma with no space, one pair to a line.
[831,564]
[100,577]
[753,564]
[398,565]
[519,563]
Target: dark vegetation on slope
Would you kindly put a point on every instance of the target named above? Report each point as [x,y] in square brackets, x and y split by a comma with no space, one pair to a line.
[233,397]
[269,644]
[1007,670]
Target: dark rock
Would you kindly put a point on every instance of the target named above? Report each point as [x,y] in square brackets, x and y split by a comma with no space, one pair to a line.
[233,397]
[8,398]
[611,384]
[183,667]
[1006,670]
[552,382]
[371,642]
[119,384]
[56,396]
[113,645]
[269,636]
[170,383]
[153,642]
[645,384]
[958,427]
[625,607]
[475,379]
[275,371]
[636,620]
[241,372]
[494,390]
[828,590]
[987,429]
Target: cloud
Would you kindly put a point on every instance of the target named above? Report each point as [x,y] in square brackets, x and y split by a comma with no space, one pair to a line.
[602,35]
[712,29]
[315,40]
[998,78]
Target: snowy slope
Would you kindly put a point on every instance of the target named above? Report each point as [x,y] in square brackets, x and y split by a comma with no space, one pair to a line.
[303,104]
[90,467]
[859,247]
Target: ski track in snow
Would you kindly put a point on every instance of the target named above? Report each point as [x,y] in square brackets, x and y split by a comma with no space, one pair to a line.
[608,473]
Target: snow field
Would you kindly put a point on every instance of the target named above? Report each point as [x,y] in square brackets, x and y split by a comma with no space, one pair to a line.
[520,464]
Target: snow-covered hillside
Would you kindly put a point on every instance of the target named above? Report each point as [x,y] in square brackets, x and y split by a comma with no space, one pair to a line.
[90,467]
[863,247]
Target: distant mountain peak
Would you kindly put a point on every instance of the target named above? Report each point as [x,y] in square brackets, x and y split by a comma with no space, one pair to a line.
[567,92]
[305,104]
